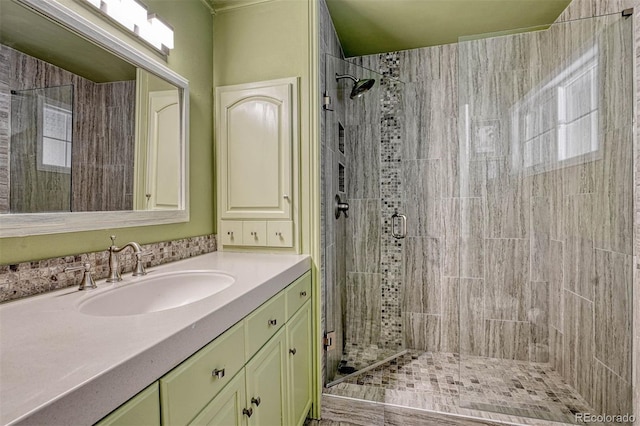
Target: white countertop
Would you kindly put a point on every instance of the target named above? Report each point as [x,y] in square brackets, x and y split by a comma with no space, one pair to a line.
[59,366]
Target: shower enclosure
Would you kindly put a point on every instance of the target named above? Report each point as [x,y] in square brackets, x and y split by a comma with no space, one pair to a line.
[511,157]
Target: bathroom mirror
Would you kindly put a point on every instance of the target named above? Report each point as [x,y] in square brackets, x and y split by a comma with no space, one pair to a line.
[93,133]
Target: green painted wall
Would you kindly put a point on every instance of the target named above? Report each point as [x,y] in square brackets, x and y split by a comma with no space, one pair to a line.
[192,58]
[261,42]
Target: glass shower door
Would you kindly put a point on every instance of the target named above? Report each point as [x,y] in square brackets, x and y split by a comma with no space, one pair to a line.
[41,142]
[361,256]
[546,187]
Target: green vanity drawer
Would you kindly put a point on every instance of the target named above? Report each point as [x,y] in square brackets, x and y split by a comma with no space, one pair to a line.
[187,389]
[263,323]
[142,409]
[298,293]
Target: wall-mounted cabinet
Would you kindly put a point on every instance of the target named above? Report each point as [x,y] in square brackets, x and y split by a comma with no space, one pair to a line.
[257,142]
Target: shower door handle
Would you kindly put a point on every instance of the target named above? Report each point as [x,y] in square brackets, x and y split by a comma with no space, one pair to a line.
[398,225]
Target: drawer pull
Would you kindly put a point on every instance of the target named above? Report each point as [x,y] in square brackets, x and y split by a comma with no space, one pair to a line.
[303,294]
[247,411]
[273,322]
[218,373]
[293,351]
[255,401]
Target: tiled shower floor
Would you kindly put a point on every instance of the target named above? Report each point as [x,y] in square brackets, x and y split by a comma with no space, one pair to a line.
[445,383]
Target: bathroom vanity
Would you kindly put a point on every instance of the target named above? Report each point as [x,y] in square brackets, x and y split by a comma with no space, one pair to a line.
[243,353]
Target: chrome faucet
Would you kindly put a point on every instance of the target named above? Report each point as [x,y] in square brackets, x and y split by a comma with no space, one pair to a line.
[87,280]
[114,267]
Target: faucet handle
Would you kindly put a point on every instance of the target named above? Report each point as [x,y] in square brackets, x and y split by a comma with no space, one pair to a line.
[113,240]
[139,270]
[87,279]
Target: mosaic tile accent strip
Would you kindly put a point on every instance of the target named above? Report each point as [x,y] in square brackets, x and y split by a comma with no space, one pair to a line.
[391,196]
[5,129]
[32,278]
[444,382]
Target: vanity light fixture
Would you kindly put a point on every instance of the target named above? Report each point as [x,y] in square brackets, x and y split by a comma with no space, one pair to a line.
[133,15]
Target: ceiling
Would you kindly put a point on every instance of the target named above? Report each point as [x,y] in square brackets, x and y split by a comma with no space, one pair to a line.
[376,26]
[52,43]
[363,26]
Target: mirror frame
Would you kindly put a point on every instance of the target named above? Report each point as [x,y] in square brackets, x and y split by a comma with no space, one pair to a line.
[26,224]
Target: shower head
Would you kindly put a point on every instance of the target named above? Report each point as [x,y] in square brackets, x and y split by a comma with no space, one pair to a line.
[360,86]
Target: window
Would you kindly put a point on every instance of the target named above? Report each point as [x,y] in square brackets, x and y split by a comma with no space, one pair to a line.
[578,115]
[556,124]
[54,144]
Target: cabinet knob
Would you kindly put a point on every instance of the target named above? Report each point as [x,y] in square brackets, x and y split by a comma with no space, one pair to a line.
[218,373]
[279,234]
[303,294]
[285,196]
[293,351]
[247,411]
[255,401]
[273,322]
[230,233]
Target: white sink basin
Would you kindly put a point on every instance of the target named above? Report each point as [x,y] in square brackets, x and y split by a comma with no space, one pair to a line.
[156,293]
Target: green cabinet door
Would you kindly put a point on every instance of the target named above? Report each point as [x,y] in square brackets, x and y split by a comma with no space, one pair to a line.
[299,364]
[267,383]
[141,410]
[226,409]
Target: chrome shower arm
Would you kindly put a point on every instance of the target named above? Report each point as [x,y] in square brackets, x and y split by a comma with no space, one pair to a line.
[339,76]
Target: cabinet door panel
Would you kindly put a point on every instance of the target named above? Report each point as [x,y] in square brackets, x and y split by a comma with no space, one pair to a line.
[226,408]
[267,384]
[257,125]
[299,354]
[253,132]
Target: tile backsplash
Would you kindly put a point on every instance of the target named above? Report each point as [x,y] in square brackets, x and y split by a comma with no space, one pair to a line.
[31,278]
